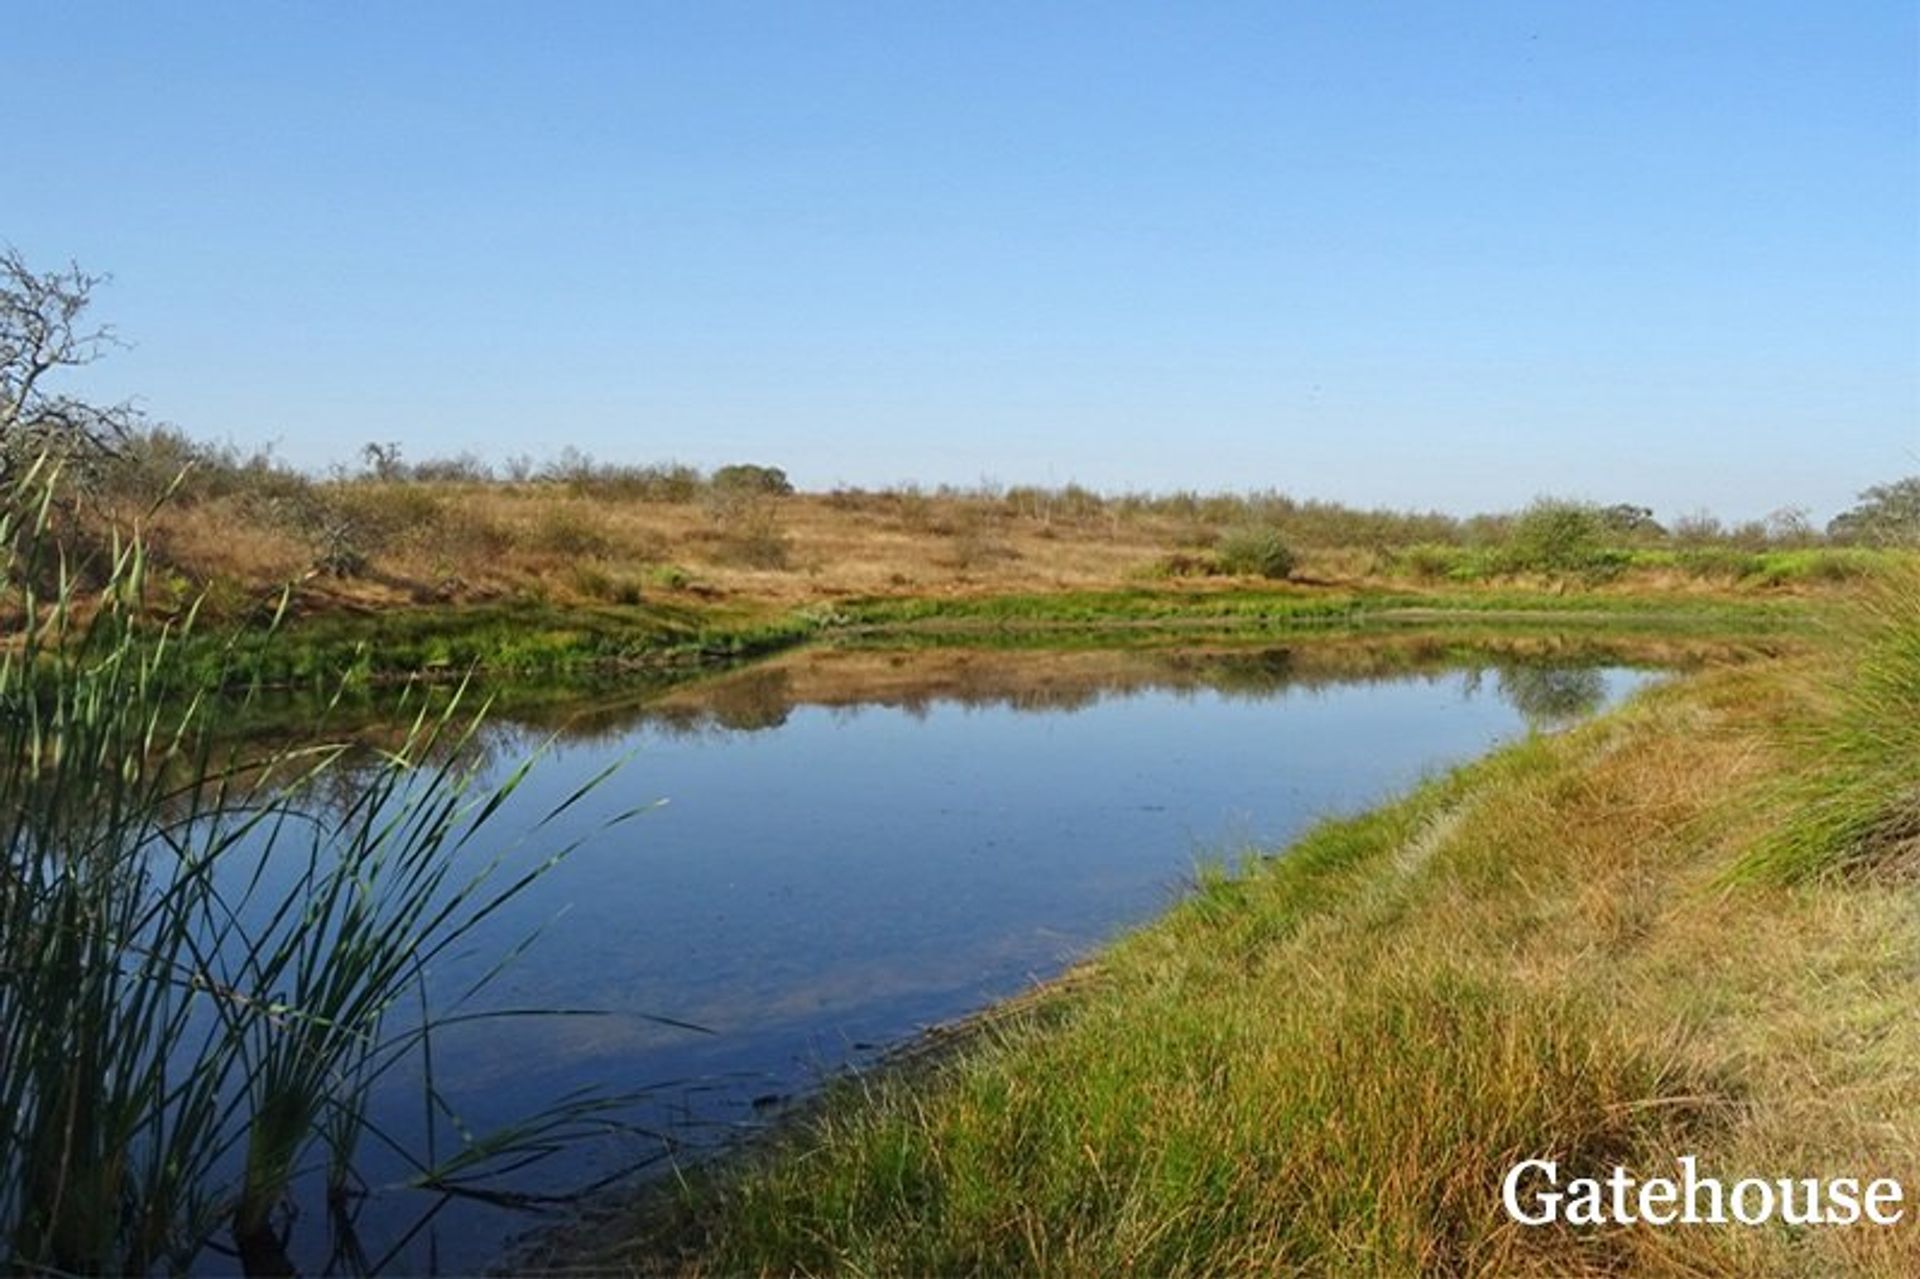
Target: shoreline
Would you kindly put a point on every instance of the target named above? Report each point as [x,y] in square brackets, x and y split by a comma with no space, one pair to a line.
[428,644]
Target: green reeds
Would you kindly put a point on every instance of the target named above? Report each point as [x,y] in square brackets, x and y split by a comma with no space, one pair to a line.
[204,966]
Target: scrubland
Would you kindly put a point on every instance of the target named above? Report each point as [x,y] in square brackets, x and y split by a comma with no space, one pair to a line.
[235,528]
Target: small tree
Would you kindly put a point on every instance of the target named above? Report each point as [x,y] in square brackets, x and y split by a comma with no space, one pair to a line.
[1789,526]
[383,460]
[44,330]
[1888,515]
[1556,535]
[1630,522]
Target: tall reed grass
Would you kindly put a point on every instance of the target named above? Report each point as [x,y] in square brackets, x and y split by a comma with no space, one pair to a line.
[1852,804]
[204,971]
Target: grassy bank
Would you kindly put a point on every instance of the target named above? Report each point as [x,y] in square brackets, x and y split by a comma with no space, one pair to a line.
[1307,606]
[526,638]
[523,639]
[1687,927]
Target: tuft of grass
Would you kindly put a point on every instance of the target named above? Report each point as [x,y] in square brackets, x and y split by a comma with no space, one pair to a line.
[1852,802]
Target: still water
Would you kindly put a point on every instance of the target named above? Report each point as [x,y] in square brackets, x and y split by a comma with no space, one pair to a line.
[844,847]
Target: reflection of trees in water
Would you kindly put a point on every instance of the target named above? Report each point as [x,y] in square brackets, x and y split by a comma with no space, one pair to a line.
[1547,687]
[758,698]
[1568,685]
[1550,696]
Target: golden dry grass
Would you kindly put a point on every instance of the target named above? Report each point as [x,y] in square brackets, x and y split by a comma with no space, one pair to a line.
[465,542]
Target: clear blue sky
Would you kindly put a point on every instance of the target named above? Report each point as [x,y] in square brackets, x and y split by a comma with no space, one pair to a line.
[1448,254]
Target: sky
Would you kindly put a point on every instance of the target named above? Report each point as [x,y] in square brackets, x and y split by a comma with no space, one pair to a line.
[1436,255]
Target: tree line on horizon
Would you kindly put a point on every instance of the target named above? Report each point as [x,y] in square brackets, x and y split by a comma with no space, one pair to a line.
[113,453]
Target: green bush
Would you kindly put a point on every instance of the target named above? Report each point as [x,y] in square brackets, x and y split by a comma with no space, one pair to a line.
[1256,551]
[743,477]
[1555,536]
[1558,537]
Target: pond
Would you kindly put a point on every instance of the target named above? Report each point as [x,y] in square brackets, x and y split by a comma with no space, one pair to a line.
[846,846]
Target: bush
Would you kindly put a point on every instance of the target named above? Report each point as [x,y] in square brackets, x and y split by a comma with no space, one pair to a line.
[161,462]
[1558,537]
[742,477]
[1728,563]
[661,482]
[1554,536]
[1256,551]
[463,468]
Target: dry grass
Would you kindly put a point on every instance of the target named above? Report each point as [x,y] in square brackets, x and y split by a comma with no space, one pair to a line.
[470,542]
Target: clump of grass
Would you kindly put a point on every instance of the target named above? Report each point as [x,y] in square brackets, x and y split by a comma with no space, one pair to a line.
[670,577]
[185,1027]
[598,582]
[1184,564]
[1429,563]
[1854,802]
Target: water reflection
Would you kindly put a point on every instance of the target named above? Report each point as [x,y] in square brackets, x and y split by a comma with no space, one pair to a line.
[1551,696]
[1550,680]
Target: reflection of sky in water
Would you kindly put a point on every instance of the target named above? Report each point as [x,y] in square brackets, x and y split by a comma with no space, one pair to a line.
[833,883]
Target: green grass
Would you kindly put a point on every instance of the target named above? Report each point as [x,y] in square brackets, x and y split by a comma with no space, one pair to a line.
[1724,565]
[1302,606]
[522,640]
[1852,803]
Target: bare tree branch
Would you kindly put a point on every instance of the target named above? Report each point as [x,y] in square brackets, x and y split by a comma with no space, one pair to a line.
[43,331]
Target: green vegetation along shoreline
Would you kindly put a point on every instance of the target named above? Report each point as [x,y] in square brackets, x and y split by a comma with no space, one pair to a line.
[1682,928]
[544,640]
